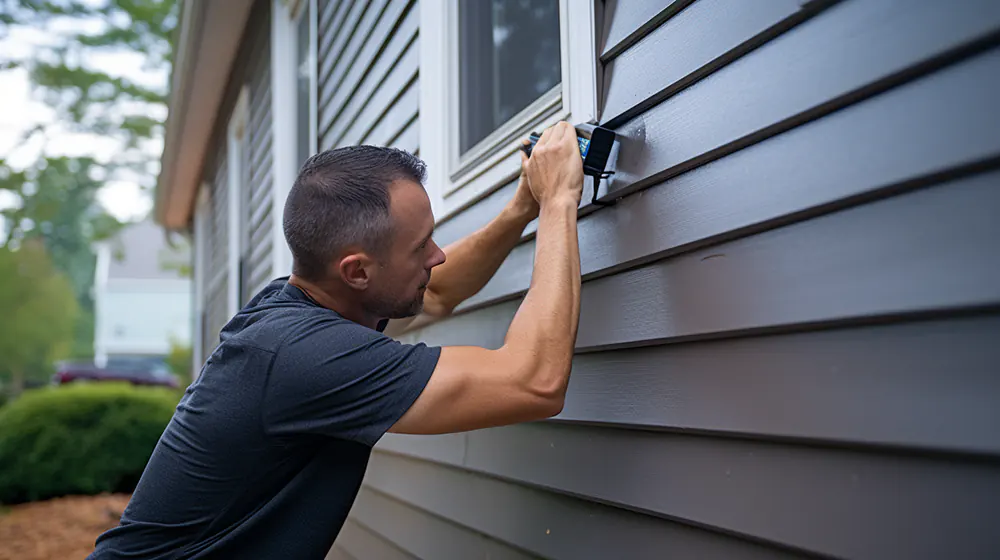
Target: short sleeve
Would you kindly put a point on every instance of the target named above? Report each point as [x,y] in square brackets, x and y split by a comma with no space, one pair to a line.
[343,380]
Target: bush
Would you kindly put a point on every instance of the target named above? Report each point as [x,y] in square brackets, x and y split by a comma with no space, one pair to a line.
[79,439]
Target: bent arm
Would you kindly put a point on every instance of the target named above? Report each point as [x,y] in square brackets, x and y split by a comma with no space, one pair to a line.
[525,379]
[473,260]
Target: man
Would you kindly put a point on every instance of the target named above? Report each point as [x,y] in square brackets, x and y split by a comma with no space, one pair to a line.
[267,449]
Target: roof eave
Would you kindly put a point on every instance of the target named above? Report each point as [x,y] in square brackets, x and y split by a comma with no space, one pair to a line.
[207,44]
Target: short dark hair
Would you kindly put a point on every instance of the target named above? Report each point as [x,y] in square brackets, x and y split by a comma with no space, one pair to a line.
[340,199]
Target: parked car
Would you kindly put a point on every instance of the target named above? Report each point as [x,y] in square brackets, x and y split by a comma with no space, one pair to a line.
[136,373]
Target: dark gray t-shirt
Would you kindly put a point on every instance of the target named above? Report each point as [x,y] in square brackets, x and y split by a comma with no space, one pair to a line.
[266,451]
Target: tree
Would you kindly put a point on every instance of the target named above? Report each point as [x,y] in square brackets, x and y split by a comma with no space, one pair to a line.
[39,312]
[87,98]
[57,204]
[56,196]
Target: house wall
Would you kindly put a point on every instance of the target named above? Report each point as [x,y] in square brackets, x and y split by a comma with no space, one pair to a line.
[787,343]
[142,316]
[368,82]
[252,73]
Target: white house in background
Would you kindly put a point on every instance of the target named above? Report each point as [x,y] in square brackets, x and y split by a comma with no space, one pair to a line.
[140,304]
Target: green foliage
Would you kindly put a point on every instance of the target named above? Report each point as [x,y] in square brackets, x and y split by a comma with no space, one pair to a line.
[39,311]
[58,205]
[79,439]
[179,360]
[87,98]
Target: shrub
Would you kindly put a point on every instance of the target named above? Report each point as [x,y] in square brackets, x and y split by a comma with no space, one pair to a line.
[79,439]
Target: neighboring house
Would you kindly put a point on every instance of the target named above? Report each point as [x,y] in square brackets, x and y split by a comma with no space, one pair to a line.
[788,344]
[142,301]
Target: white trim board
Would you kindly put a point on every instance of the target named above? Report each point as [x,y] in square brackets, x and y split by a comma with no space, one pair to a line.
[452,184]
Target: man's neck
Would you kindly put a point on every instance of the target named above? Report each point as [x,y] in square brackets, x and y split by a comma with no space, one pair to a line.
[333,297]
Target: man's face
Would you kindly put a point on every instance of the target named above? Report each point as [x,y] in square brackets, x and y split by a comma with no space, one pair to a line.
[397,291]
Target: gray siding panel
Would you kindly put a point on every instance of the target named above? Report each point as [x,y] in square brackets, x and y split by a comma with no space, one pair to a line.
[361,542]
[787,337]
[925,127]
[424,535]
[370,93]
[258,209]
[918,252]
[842,503]
[700,34]
[347,56]
[628,21]
[929,385]
[549,524]
[376,40]
[399,57]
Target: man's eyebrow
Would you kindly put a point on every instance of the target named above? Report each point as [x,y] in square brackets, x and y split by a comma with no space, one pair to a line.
[427,238]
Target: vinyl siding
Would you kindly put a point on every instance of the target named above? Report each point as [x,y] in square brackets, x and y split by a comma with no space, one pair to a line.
[368,83]
[216,304]
[258,209]
[787,341]
[251,70]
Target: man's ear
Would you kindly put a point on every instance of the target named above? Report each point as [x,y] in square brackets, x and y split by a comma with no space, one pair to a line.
[355,270]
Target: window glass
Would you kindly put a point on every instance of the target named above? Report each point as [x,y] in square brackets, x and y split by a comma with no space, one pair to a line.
[508,58]
[303,83]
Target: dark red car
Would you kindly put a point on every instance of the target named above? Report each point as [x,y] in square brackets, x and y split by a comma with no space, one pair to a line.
[138,373]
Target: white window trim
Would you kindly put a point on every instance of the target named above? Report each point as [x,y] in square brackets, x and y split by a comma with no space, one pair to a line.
[495,161]
[237,130]
[284,109]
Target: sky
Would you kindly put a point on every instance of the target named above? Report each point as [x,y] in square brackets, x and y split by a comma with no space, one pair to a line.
[21,109]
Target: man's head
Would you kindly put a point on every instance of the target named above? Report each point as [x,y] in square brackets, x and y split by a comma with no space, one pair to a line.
[359,218]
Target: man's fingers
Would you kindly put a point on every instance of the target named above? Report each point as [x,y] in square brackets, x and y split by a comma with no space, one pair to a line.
[544,139]
[524,156]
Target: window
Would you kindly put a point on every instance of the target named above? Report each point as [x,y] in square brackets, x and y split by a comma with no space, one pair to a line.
[293,108]
[491,72]
[508,60]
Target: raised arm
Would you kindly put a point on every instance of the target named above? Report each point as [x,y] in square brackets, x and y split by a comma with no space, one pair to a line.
[472,260]
[526,378]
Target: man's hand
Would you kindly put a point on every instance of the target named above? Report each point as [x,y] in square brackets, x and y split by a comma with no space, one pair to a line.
[555,168]
[526,378]
[524,203]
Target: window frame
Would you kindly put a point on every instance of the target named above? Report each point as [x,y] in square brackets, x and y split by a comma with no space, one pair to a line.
[236,133]
[286,15]
[456,180]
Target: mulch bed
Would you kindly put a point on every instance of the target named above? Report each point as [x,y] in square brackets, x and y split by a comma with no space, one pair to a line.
[63,528]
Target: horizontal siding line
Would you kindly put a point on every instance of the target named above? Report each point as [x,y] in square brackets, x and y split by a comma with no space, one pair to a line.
[601,530]
[405,126]
[394,106]
[260,105]
[330,34]
[260,118]
[619,92]
[652,154]
[622,41]
[337,97]
[344,33]
[396,67]
[910,73]
[327,10]
[365,543]
[723,487]
[260,157]
[907,139]
[260,205]
[353,49]
[777,278]
[594,500]
[372,503]
[654,389]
